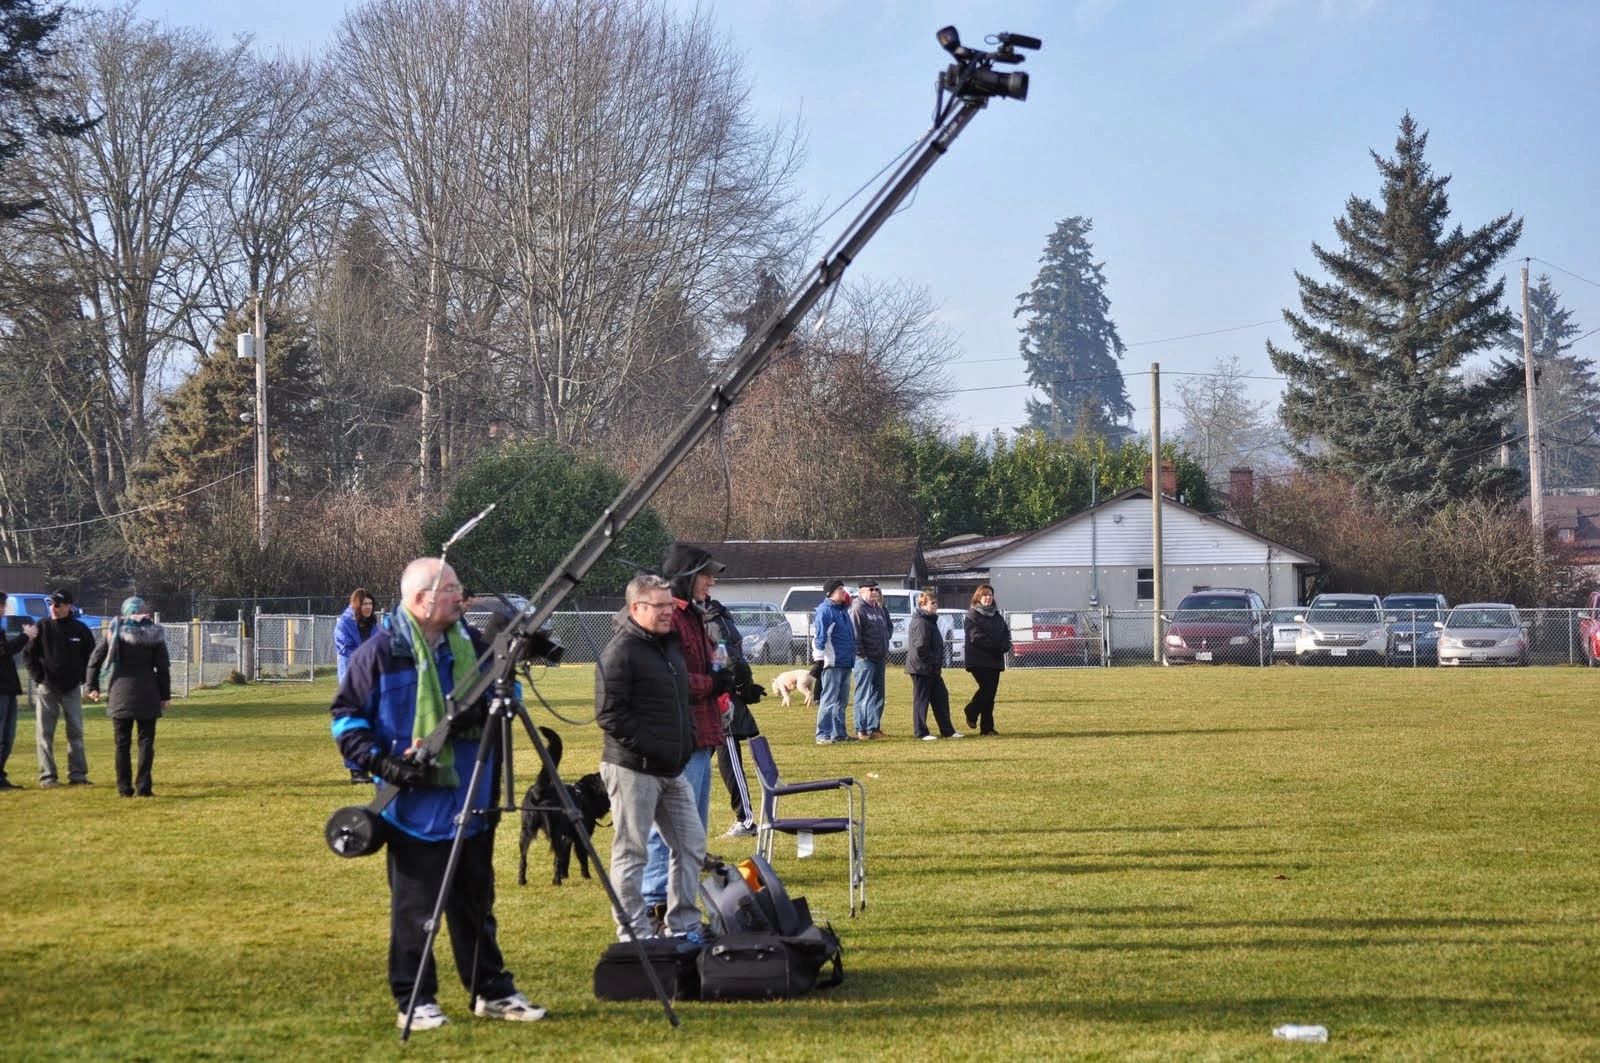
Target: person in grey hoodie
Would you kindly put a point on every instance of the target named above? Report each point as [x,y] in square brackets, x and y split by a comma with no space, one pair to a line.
[871,624]
[131,665]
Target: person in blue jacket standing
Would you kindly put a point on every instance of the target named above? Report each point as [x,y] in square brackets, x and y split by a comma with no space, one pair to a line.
[393,697]
[356,625]
[835,646]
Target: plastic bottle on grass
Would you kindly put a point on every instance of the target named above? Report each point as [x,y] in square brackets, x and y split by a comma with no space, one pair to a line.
[1294,1032]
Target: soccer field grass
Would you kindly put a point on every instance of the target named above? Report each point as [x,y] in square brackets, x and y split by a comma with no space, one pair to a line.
[1151,863]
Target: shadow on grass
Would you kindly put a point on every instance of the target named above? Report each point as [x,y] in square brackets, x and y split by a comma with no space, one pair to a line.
[1177,733]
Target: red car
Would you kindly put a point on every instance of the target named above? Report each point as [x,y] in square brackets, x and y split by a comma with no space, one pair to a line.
[1057,637]
[1219,625]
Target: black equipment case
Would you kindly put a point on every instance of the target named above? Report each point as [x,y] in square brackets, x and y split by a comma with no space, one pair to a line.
[619,975]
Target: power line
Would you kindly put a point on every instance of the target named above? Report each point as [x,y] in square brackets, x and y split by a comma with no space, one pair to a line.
[131,512]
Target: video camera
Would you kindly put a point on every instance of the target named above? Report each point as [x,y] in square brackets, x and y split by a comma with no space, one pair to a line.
[973,77]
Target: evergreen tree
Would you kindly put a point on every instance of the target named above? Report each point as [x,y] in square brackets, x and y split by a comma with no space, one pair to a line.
[28,87]
[1070,343]
[1375,392]
[1569,395]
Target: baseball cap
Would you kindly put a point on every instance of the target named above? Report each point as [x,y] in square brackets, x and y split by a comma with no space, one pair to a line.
[61,598]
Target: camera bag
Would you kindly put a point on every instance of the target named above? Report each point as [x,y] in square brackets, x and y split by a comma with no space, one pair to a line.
[620,976]
[765,945]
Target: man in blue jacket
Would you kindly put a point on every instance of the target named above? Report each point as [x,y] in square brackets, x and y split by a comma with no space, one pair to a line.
[835,646]
[392,697]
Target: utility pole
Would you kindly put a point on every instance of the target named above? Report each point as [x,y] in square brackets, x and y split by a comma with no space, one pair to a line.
[1155,506]
[1535,473]
[254,345]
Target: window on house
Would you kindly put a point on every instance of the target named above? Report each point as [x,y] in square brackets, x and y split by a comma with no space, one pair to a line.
[1147,585]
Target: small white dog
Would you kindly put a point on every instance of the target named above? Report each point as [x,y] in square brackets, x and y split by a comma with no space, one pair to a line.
[787,683]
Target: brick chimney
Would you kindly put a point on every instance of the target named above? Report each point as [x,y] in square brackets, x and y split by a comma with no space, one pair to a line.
[1241,487]
[1169,478]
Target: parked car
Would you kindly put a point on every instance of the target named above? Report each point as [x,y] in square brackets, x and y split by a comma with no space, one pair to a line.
[800,604]
[1342,628]
[1285,629]
[1483,633]
[1589,629]
[1413,638]
[1055,637]
[28,608]
[764,629]
[953,626]
[1224,625]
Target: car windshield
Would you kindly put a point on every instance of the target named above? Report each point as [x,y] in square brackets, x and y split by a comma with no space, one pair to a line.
[1470,618]
[1406,605]
[802,601]
[1343,613]
[1286,615]
[1220,607]
[1055,618]
[750,619]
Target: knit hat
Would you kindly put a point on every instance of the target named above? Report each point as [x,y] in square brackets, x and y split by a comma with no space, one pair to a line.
[829,587]
[133,606]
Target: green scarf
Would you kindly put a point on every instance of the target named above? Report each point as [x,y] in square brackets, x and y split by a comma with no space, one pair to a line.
[430,692]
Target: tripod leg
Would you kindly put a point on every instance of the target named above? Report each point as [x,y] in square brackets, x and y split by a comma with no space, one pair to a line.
[574,817]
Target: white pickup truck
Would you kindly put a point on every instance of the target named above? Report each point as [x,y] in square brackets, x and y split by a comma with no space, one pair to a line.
[800,605]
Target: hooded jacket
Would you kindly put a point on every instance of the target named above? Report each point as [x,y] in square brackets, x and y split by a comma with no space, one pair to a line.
[871,626]
[988,639]
[141,678]
[835,638]
[924,645]
[641,701]
[683,563]
[58,656]
[347,636]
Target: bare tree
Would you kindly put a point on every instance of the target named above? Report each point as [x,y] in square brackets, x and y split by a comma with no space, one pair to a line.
[1221,426]
[124,220]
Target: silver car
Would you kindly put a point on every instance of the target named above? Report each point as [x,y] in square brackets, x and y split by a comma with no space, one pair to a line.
[1285,629]
[764,630]
[1342,629]
[1483,633]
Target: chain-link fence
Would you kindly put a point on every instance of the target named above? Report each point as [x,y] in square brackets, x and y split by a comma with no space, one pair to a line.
[285,648]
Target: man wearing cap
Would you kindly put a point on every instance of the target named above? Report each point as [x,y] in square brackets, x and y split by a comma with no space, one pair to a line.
[691,573]
[10,690]
[870,623]
[57,656]
[835,646]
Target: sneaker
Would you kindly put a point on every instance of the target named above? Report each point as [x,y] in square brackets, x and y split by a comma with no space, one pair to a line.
[359,777]
[877,732]
[515,1008]
[427,1017]
[7,784]
[930,738]
[863,736]
[48,784]
[657,914]
[955,734]
[741,829]
[820,742]
[79,782]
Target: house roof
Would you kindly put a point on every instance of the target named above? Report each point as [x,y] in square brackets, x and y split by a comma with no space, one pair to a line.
[815,560]
[1136,492]
[956,558]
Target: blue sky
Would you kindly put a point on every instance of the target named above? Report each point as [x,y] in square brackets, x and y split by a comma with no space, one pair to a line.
[1211,143]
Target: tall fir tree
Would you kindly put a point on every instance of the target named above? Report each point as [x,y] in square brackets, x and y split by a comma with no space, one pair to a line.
[1375,393]
[1569,394]
[30,87]
[1070,344]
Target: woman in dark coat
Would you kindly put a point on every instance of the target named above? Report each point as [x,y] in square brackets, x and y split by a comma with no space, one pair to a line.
[988,642]
[354,626]
[130,664]
[925,666]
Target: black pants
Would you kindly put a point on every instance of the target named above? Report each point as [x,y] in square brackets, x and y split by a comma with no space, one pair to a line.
[730,762]
[416,870]
[980,710]
[929,690]
[122,733]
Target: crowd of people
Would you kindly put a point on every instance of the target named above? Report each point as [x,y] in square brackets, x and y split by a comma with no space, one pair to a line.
[128,667]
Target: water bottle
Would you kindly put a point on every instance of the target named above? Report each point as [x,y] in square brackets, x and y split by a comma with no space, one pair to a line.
[719,657]
[1292,1032]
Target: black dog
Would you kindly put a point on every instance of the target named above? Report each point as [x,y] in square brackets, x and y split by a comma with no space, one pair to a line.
[541,810]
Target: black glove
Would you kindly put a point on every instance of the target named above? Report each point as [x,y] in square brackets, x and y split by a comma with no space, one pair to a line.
[721,682]
[750,693]
[471,718]
[398,770]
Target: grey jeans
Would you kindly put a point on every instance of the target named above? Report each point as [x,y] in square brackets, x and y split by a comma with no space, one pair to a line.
[638,800]
[48,707]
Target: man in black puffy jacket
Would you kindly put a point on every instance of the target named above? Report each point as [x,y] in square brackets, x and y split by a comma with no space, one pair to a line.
[58,659]
[641,691]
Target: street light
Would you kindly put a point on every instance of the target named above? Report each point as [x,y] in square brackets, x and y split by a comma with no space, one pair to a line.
[253,345]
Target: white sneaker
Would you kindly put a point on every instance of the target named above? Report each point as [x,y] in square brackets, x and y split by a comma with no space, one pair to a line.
[955,734]
[515,1008]
[930,738]
[743,829]
[427,1017]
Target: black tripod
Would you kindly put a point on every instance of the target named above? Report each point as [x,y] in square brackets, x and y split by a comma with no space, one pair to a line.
[498,732]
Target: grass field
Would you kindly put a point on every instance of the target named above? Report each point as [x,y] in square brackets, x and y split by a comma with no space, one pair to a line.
[1145,864]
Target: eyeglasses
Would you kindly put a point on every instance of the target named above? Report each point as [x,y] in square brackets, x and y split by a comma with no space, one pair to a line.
[657,606]
[447,588]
